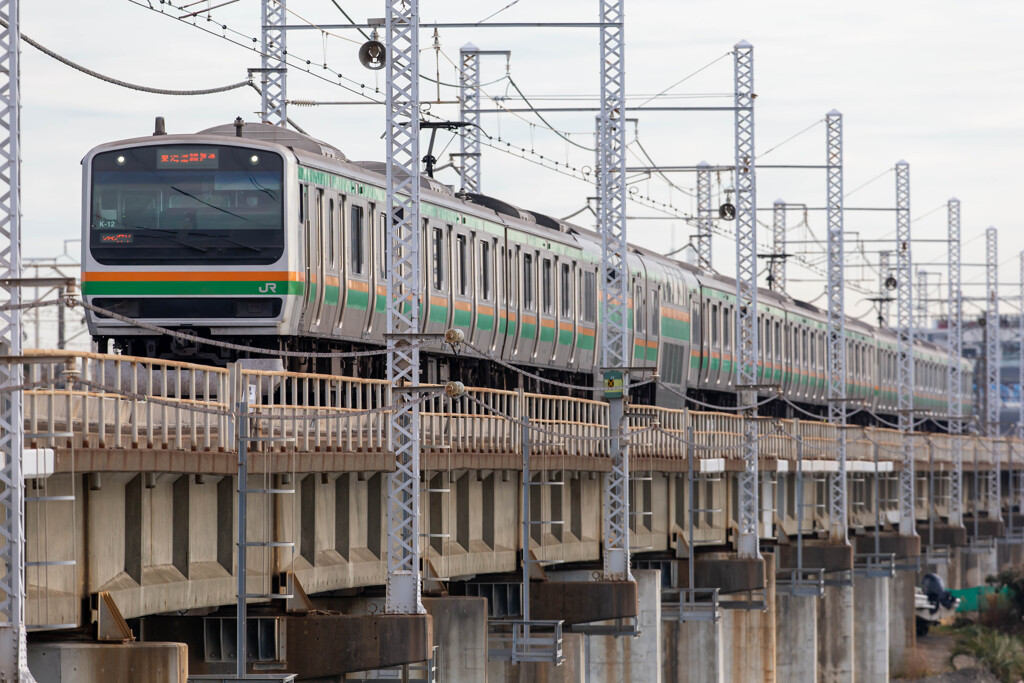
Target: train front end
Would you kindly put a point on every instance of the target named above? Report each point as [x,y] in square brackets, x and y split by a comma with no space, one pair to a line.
[188,233]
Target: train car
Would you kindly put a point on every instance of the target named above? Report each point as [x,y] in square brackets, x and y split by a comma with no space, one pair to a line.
[261,236]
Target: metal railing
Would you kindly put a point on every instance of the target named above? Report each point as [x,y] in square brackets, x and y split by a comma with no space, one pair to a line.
[123,402]
[525,641]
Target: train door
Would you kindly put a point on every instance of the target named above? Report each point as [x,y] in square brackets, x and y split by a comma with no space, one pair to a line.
[307,267]
[586,337]
[565,335]
[695,363]
[356,285]
[485,321]
[373,256]
[512,300]
[501,283]
[314,262]
[638,354]
[378,231]
[526,338]
[435,316]
[653,324]
[462,282]
[546,319]
[329,252]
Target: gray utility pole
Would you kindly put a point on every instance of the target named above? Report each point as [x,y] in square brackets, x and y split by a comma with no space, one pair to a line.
[992,366]
[13,653]
[746,295]
[777,264]
[615,338]
[403,311]
[905,348]
[274,47]
[836,321]
[704,220]
[954,373]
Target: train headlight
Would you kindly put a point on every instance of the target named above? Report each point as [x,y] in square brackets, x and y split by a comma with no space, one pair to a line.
[254,160]
[120,160]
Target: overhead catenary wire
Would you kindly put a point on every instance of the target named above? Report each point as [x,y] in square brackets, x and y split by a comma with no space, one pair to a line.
[125,84]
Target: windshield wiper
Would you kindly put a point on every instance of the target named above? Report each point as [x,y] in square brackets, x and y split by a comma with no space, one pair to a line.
[170,236]
[212,206]
[227,239]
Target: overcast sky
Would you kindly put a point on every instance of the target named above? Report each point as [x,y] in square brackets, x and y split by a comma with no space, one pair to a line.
[937,83]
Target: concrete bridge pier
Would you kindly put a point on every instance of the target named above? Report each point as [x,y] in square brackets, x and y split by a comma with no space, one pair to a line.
[749,635]
[1011,554]
[836,630]
[796,636]
[871,628]
[572,670]
[979,562]
[694,652]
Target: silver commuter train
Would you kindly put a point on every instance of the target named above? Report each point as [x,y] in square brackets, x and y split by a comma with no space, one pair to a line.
[270,238]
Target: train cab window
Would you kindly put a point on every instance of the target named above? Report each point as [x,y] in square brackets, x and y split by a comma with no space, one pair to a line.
[639,310]
[357,239]
[546,295]
[565,291]
[485,271]
[528,297]
[589,295]
[331,255]
[461,265]
[655,312]
[437,259]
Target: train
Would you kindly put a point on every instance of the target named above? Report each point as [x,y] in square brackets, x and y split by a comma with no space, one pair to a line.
[265,237]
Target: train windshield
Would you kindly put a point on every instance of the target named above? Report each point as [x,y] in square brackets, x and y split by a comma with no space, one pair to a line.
[187,204]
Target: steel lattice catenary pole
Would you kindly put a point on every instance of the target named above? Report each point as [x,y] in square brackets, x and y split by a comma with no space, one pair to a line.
[274,46]
[403,285]
[615,347]
[469,111]
[777,267]
[836,321]
[905,348]
[704,220]
[13,653]
[954,371]
[746,294]
[992,399]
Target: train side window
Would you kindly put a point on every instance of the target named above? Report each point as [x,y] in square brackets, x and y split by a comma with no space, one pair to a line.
[330,233]
[590,297]
[437,270]
[511,276]
[303,203]
[528,301]
[726,328]
[566,291]
[655,312]
[462,266]
[639,310]
[778,341]
[384,246]
[714,326]
[485,271]
[547,299]
[357,239]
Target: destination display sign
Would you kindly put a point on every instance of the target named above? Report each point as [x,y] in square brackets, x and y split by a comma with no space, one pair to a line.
[187,157]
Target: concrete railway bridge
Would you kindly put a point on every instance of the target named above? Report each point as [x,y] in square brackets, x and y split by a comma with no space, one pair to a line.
[130,534]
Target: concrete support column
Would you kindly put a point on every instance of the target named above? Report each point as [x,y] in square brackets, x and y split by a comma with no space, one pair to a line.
[693,652]
[460,635]
[749,637]
[979,564]
[632,660]
[871,629]
[101,662]
[796,637]
[572,670]
[1010,555]
[835,635]
[902,622]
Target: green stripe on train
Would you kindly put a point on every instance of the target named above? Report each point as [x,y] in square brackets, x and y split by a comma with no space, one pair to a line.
[193,288]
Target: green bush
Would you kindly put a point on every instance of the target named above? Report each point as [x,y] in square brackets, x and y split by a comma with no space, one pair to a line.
[1013,581]
[1001,653]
